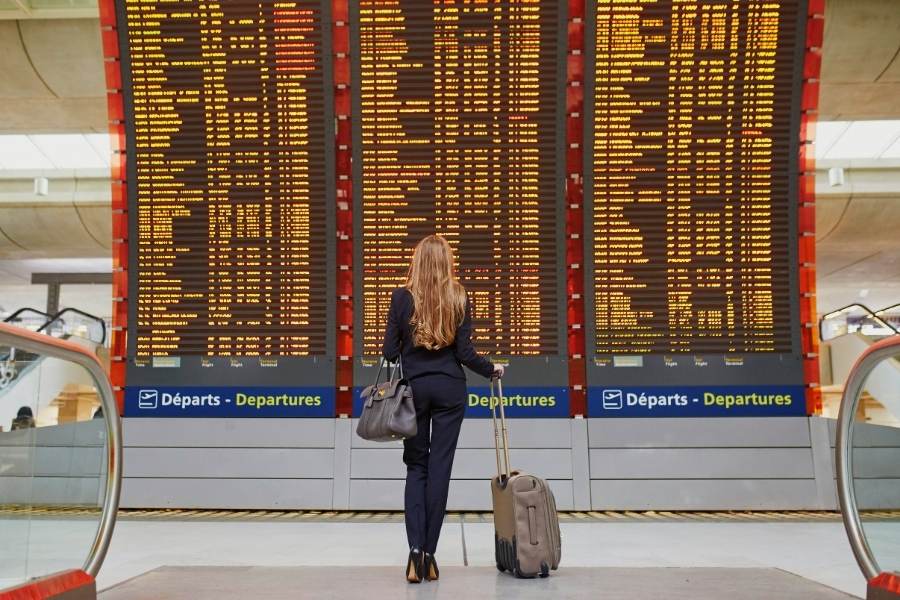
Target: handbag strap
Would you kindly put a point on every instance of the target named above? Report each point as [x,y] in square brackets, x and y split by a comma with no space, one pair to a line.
[396,366]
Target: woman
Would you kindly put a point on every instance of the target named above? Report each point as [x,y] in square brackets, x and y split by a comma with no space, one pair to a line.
[430,328]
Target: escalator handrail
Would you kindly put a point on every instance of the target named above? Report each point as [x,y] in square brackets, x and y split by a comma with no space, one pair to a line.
[58,315]
[868,310]
[38,343]
[887,308]
[871,358]
[47,316]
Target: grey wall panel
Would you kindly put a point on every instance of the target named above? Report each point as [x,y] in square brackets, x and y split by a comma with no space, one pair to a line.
[479,433]
[674,494]
[251,463]
[866,435]
[272,494]
[469,494]
[90,433]
[823,463]
[52,461]
[229,433]
[57,465]
[377,494]
[17,460]
[372,463]
[40,491]
[19,437]
[689,464]
[358,442]
[699,433]
[16,490]
[469,463]
[701,463]
[875,436]
[877,463]
[341,492]
[581,466]
[83,433]
[523,433]
[66,490]
[877,494]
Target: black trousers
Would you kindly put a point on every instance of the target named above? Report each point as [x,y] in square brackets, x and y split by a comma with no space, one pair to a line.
[440,406]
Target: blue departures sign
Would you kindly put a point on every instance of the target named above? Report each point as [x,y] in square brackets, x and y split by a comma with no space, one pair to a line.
[229,402]
[697,401]
[519,402]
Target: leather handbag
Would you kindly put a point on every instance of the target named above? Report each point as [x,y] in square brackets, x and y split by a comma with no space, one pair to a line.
[388,412]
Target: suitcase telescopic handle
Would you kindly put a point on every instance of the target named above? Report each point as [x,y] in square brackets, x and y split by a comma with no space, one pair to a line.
[501,434]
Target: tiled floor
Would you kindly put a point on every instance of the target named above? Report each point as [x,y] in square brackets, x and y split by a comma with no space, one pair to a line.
[464,583]
[817,551]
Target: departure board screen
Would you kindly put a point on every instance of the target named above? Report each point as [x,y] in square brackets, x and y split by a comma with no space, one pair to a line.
[458,131]
[690,170]
[229,135]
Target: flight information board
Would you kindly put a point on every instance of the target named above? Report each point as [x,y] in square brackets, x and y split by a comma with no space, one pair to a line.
[458,129]
[690,182]
[229,128]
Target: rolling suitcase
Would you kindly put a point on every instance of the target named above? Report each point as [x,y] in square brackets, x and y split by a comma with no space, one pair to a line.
[526,526]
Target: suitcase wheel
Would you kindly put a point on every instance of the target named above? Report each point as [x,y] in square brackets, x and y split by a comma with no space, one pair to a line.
[500,567]
[545,570]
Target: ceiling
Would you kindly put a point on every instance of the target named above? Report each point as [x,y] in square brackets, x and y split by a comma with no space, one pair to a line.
[871,140]
[53,151]
[860,63]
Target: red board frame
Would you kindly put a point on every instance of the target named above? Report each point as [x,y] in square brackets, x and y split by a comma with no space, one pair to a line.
[806,204]
[116,108]
[340,14]
[575,209]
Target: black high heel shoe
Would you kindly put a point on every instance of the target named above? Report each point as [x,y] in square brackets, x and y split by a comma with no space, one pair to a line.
[415,566]
[432,573]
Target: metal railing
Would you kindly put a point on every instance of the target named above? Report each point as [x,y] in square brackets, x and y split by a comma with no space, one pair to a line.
[876,354]
[38,343]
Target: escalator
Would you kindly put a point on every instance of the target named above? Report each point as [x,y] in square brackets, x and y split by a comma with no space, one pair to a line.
[868,469]
[60,473]
[20,374]
[846,333]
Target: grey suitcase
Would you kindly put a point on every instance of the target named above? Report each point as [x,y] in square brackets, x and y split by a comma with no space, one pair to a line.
[526,526]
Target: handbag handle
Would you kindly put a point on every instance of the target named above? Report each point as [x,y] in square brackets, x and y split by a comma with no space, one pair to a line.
[398,365]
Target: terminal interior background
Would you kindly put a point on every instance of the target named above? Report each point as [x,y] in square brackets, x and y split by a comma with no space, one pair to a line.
[206,491]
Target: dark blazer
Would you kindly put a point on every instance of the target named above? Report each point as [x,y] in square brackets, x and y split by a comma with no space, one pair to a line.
[398,341]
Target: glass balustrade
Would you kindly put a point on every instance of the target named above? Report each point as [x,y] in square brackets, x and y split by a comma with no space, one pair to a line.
[60,453]
[868,458]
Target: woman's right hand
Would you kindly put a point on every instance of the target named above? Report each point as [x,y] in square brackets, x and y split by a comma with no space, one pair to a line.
[498,371]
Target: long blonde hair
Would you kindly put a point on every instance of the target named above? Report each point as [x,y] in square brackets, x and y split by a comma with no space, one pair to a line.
[439,300]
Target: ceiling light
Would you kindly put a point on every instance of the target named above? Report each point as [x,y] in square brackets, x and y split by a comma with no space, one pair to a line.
[836,176]
[41,186]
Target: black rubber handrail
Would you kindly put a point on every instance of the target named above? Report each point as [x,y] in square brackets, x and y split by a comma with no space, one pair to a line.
[868,310]
[76,311]
[14,317]
[887,308]
[25,309]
